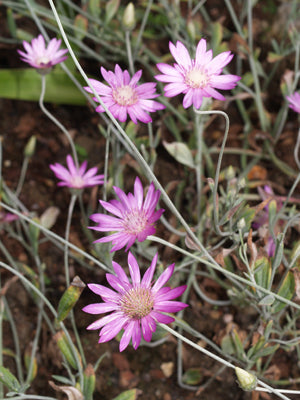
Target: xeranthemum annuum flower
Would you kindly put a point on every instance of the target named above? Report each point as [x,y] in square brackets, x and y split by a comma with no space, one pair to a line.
[196,78]
[124,95]
[294,101]
[76,177]
[136,306]
[134,218]
[41,57]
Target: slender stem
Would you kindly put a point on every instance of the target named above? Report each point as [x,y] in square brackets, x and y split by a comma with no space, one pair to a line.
[106,162]
[129,52]
[67,235]
[56,237]
[199,124]
[223,271]
[55,121]
[27,283]
[221,360]
[218,169]
[142,28]
[66,263]
[22,176]
[296,150]
[18,357]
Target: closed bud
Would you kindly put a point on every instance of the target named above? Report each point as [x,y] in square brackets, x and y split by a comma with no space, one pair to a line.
[89,382]
[69,298]
[246,380]
[67,351]
[30,147]
[191,30]
[241,224]
[128,20]
[230,173]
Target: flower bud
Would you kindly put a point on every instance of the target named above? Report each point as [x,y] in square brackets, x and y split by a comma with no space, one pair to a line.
[246,380]
[241,224]
[128,19]
[30,147]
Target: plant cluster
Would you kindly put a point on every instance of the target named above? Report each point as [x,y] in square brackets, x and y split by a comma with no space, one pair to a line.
[222,220]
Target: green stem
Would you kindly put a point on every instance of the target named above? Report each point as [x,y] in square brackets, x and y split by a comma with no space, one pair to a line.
[67,235]
[55,121]
[199,124]
[22,176]
[222,361]
[56,237]
[44,299]
[129,52]
[218,169]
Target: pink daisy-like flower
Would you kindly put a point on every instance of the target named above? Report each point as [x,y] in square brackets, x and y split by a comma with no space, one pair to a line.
[123,95]
[294,102]
[134,218]
[196,78]
[136,306]
[38,56]
[74,177]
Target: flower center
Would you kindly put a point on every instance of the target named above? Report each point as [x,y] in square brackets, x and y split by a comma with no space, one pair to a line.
[135,222]
[77,182]
[43,61]
[125,95]
[197,78]
[137,302]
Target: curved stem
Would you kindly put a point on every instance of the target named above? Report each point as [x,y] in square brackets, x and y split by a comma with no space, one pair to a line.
[55,236]
[296,150]
[221,360]
[218,169]
[55,121]
[44,299]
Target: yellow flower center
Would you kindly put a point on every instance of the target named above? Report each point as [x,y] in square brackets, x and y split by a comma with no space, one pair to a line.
[197,78]
[125,95]
[137,302]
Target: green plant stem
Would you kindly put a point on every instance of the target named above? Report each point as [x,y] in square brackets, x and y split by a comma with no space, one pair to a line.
[15,336]
[218,169]
[199,125]
[45,301]
[142,29]
[56,237]
[129,52]
[223,271]
[67,236]
[22,176]
[55,121]
[222,361]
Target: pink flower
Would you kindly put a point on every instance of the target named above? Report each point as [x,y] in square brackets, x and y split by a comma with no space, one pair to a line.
[38,56]
[76,178]
[196,78]
[137,306]
[123,95]
[135,219]
[294,102]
